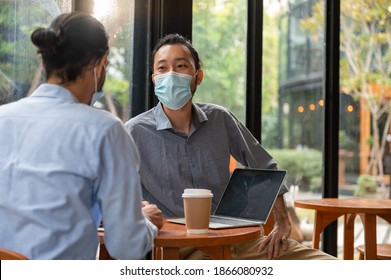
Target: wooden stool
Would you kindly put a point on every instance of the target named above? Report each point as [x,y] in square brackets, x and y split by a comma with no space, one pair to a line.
[11,255]
[383,251]
[103,253]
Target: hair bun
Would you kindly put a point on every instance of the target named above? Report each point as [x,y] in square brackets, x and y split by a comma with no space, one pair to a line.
[46,40]
[71,43]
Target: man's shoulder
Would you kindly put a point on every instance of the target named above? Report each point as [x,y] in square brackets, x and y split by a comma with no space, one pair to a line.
[210,108]
[86,117]
[213,111]
[73,112]
[89,115]
[146,118]
[10,107]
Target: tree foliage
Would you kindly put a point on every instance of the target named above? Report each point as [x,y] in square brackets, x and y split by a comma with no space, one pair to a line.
[219,34]
[365,62]
[18,58]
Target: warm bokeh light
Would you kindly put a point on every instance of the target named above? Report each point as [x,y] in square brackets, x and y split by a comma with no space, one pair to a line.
[312,107]
[321,102]
[349,108]
[345,89]
[285,108]
[300,109]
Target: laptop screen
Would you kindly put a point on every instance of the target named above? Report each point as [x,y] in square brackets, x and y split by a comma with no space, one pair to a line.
[251,193]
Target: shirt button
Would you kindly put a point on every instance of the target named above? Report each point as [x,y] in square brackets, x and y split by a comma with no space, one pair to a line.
[193,164]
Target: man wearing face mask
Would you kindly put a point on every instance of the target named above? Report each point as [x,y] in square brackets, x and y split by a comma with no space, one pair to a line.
[188,145]
[60,157]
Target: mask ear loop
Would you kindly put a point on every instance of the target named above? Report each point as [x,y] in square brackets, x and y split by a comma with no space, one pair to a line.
[196,79]
[195,75]
[95,80]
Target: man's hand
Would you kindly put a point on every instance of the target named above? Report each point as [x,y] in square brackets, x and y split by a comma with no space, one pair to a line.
[280,233]
[152,213]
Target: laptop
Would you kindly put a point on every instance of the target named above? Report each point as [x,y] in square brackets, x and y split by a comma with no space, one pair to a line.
[247,200]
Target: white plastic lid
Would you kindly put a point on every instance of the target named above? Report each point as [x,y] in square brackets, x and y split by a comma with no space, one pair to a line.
[190,193]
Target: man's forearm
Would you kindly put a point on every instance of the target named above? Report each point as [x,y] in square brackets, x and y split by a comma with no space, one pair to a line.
[280,212]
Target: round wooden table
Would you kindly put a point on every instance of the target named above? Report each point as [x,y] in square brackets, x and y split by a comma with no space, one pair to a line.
[328,210]
[216,243]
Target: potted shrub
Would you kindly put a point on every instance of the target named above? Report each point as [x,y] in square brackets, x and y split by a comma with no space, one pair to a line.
[366,184]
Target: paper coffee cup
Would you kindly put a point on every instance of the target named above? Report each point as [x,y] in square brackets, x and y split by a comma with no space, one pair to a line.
[197,204]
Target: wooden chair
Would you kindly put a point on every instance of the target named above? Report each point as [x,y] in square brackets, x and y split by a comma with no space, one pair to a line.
[383,251]
[6,254]
[103,253]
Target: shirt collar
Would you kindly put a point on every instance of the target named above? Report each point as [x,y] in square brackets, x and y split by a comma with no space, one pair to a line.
[54,91]
[162,121]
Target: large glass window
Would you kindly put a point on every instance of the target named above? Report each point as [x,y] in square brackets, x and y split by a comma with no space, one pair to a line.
[219,34]
[116,16]
[365,78]
[20,70]
[293,103]
[365,94]
[292,97]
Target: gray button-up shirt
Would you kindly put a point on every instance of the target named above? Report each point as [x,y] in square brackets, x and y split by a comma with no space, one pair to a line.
[171,161]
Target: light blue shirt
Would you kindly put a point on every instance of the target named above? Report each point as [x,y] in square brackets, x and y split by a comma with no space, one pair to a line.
[171,161]
[59,158]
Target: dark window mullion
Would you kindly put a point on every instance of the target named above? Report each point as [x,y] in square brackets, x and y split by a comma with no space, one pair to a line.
[254,67]
[152,20]
[331,117]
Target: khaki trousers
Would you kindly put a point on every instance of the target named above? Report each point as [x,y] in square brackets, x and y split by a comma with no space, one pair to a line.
[248,251]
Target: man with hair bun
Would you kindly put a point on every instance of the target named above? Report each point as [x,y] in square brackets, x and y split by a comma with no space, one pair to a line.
[60,157]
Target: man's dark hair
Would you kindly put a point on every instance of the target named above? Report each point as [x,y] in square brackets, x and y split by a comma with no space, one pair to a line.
[70,43]
[176,39]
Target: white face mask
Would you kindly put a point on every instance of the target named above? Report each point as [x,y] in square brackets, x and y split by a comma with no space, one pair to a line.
[173,89]
[97,94]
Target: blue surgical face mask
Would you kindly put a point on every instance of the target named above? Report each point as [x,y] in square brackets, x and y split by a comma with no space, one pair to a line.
[95,97]
[173,89]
